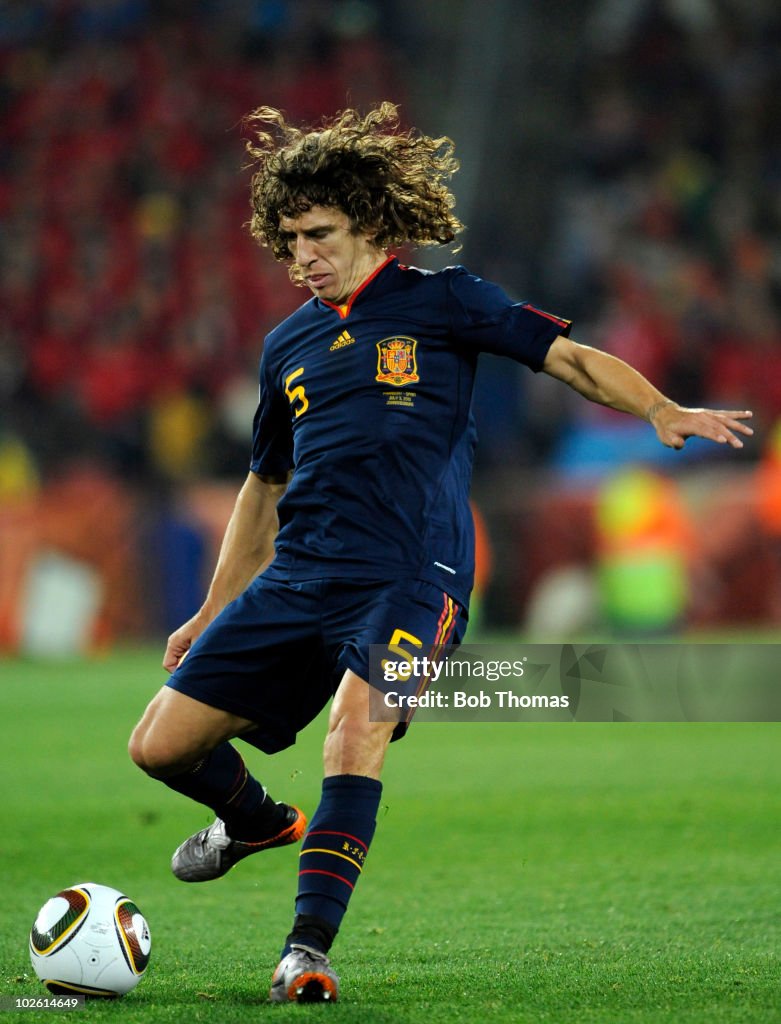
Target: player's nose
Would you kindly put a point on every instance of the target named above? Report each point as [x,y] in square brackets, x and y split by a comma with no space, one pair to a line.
[305,253]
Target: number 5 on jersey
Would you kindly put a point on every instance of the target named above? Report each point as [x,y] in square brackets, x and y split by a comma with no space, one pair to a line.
[296,394]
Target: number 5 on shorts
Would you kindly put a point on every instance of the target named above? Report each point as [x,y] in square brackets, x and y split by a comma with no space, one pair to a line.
[395,645]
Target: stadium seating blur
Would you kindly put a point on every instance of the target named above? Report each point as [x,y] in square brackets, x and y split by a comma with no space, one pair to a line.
[134,304]
[667,243]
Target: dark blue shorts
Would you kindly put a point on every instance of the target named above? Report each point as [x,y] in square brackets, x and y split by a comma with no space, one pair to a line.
[277,653]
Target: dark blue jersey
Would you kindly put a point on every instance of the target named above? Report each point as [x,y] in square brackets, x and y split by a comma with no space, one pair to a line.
[370,405]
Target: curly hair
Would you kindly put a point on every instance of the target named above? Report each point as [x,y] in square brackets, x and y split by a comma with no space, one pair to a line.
[385,179]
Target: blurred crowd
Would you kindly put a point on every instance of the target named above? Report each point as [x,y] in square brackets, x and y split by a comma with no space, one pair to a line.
[668,221]
[134,305]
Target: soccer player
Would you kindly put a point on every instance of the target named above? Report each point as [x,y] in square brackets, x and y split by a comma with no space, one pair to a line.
[353,526]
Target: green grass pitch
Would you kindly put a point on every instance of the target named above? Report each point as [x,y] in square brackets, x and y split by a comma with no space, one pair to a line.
[525,873]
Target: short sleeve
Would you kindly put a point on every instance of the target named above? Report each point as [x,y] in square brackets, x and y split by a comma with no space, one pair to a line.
[272,437]
[482,317]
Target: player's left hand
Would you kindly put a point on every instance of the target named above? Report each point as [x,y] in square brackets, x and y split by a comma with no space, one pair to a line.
[674,424]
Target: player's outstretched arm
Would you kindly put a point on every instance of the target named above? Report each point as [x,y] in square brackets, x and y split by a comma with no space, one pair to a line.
[247,546]
[609,381]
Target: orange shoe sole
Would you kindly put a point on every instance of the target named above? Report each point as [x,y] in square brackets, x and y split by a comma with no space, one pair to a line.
[289,835]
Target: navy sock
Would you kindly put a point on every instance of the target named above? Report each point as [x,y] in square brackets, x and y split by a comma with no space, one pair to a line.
[332,857]
[222,782]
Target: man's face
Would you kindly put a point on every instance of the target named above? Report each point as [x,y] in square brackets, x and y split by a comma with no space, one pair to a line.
[333,258]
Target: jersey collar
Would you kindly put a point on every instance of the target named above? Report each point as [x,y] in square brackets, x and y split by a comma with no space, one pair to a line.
[344,309]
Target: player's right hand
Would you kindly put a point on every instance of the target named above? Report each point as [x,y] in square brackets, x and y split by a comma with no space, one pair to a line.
[181,640]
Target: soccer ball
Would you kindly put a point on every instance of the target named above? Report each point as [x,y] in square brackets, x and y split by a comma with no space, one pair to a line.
[91,940]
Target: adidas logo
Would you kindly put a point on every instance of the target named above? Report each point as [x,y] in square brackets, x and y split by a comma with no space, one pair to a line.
[345,338]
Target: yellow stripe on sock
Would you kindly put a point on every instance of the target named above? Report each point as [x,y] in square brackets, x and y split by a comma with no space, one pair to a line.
[333,853]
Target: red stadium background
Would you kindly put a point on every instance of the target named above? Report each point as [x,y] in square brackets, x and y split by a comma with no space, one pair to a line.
[619,166]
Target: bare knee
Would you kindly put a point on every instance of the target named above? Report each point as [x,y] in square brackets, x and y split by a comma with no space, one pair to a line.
[354,745]
[155,753]
[175,731]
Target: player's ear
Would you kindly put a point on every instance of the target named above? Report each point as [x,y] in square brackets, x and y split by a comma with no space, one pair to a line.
[372,237]
[367,231]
